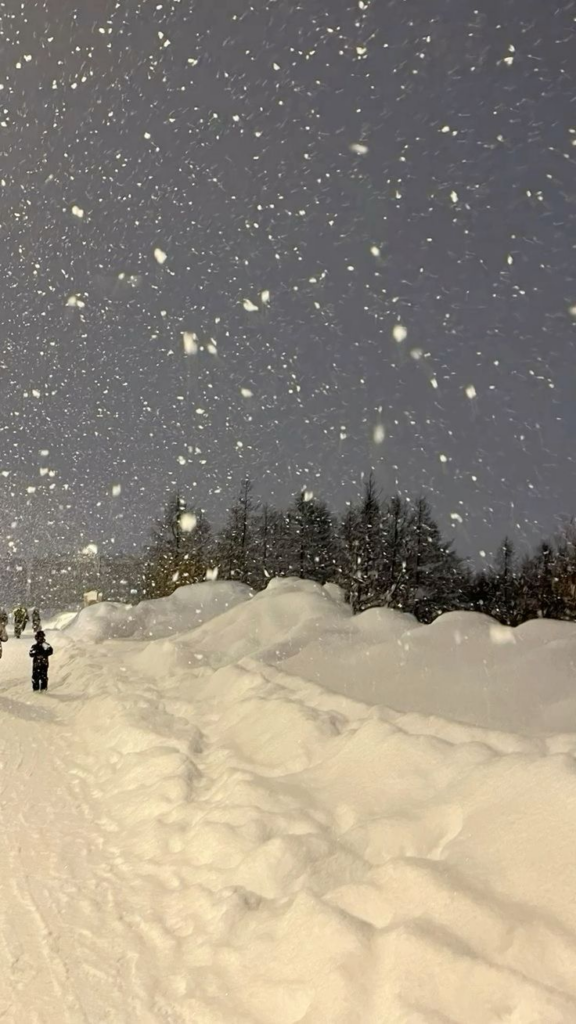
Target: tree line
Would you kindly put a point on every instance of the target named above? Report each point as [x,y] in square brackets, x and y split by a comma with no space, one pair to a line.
[384,552]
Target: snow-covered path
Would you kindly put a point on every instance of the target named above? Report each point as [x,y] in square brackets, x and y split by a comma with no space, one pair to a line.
[66,951]
[193,833]
[42,835]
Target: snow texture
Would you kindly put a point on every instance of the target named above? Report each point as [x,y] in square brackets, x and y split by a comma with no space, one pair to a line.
[239,809]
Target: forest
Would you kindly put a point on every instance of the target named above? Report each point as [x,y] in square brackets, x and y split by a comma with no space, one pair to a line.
[384,552]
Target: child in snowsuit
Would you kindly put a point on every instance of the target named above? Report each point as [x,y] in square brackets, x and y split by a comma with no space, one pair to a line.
[36,621]
[3,635]
[20,620]
[40,652]
[3,630]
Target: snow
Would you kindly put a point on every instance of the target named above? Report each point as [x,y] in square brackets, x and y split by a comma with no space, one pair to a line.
[187,608]
[257,809]
[190,342]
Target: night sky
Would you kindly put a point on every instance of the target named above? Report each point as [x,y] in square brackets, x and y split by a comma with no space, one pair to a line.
[361,214]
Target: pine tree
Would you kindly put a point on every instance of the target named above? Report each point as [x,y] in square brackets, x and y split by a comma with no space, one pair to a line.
[236,543]
[565,587]
[540,582]
[504,586]
[180,549]
[362,538]
[435,579]
[480,592]
[269,545]
[394,527]
[311,542]
[196,548]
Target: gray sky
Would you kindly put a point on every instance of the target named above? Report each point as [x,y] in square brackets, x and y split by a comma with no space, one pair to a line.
[369,165]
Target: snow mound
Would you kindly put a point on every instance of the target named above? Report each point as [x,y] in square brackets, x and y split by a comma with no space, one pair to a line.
[186,608]
[278,623]
[369,819]
[356,865]
[59,621]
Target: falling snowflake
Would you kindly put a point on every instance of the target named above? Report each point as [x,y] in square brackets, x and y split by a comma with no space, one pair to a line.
[188,522]
[399,333]
[190,342]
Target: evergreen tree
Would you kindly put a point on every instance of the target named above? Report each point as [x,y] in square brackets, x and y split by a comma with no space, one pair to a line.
[436,579]
[197,548]
[237,558]
[504,586]
[540,582]
[395,531]
[311,542]
[180,549]
[480,592]
[269,545]
[362,538]
[565,587]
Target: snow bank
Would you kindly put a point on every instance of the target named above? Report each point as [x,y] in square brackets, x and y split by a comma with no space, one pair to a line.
[292,849]
[59,620]
[352,866]
[186,609]
[464,667]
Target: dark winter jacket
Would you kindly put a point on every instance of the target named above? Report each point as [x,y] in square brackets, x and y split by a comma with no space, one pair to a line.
[41,652]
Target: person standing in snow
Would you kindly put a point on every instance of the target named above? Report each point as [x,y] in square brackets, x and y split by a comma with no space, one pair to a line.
[21,620]
[36,620]
[40,652]
[3,632]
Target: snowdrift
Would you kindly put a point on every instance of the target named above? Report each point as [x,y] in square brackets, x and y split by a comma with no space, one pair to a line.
[465,667]
[323,819]
[187,608]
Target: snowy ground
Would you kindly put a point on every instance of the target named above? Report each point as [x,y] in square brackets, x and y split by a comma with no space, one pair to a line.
[193,831]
